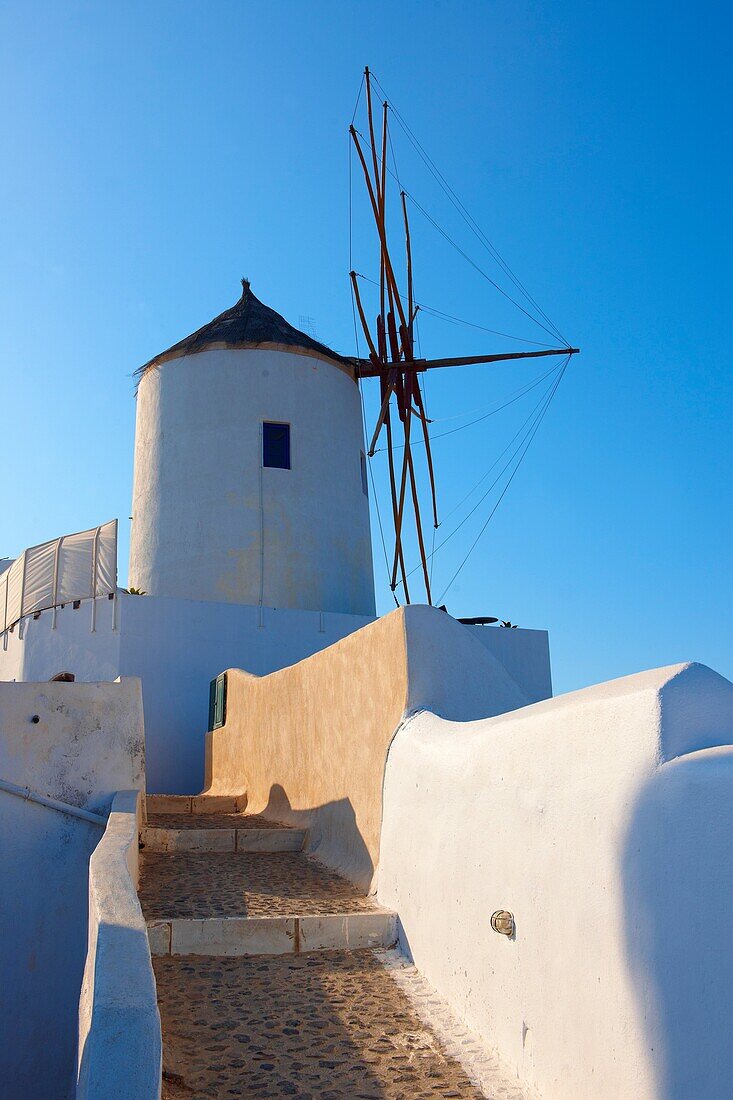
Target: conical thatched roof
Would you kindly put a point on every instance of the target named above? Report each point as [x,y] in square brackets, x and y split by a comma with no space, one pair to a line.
[248,324]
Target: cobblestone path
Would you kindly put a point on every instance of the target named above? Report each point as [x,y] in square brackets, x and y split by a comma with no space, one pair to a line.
[212,821]
[331,1025]
[238,884]
[316,1024]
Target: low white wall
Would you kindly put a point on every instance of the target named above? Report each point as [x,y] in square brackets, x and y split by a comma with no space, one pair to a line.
[525,654]
[176,647]
[87,744]
[604,821]
[450,675]
[120,1046]
[38,650]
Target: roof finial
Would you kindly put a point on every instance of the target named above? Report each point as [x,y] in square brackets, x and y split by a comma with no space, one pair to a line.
[245,285]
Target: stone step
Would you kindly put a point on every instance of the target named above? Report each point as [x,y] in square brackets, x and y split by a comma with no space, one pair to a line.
[155,838]
[195,803]
[247,903]
[275,935]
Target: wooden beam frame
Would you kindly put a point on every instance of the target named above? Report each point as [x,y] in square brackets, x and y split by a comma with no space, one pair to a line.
[366,368]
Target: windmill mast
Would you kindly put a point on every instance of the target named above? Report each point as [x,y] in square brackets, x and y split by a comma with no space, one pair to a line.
[391,355]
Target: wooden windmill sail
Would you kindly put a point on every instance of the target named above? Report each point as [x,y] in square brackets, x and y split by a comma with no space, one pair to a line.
[392,359]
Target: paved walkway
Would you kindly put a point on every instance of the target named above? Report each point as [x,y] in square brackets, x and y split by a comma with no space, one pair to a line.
[311,1022]
[197,885]
[331,1025]
[212,821]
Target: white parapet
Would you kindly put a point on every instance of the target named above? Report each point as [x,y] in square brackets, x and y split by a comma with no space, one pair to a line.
[120,1047]
[176,647]
[525,654]
[73,745]
[603,821]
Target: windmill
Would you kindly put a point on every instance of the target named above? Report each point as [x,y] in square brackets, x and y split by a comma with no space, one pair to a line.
[392,358]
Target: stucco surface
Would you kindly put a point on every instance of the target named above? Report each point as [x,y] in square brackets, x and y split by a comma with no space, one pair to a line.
[210,524]
[176,647]
[120,1046]
[604,821]
[308,744]
[525,654]
[86,745]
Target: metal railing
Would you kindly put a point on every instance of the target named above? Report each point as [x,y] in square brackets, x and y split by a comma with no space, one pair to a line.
[29,795]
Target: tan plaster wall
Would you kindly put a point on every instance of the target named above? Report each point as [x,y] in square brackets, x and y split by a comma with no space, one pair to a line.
[308,744]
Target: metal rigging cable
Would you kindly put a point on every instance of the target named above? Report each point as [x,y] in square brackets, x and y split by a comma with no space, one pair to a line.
[506,487]
[431,310]
[481,480]
[536,416]
[358,97]
[517,396]
[441,316]
[554,334]
[463,211]
[482,273]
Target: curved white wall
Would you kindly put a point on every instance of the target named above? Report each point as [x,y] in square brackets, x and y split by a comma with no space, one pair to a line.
[199,503]
[604,821]
[120,1045]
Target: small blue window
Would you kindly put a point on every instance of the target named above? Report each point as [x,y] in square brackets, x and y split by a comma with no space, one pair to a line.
[276,445]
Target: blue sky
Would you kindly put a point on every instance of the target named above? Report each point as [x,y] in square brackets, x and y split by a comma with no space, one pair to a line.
[154,153]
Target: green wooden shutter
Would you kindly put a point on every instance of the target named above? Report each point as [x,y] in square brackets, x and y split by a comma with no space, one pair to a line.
[218,702]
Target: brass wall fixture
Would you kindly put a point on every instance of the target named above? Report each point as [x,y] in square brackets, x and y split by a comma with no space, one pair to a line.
[502,921]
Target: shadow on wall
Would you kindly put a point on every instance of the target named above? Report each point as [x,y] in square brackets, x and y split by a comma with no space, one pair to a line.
[332,828]
[678,885]
[43,903]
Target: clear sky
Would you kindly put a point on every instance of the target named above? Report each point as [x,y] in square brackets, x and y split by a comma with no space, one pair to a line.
[153,153]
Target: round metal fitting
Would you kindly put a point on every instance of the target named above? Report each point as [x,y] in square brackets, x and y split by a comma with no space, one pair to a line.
[502,921]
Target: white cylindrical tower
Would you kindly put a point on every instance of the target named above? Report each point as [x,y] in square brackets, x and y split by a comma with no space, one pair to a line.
[249,482]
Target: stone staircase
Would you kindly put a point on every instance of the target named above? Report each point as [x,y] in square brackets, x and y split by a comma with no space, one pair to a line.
[216,881]
[276,977]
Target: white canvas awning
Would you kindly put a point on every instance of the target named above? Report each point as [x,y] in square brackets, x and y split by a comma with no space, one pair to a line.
[74,567]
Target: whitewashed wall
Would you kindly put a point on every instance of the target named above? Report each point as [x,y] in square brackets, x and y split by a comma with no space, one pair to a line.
[36,650]
[199,484]
[176,647]
[525,654]
[120,1044]
[87,744]
[179,646]
[604,821]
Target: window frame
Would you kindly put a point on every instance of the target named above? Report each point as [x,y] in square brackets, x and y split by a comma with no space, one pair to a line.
[277,424]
